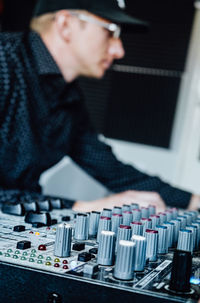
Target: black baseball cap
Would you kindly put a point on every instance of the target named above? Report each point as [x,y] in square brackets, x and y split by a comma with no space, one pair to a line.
[108,9]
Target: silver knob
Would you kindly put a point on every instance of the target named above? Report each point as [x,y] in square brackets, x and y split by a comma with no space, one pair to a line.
[62,247]
[94,223]
[185,240]
[137,228]
[163,218]
[147,224]
[169,215]
[152,210]
[124,233]
[140,252]
[152,244]
[124,266]
[81,227]
[126,207]
[177,227]
[134,206]
[198,233]
[194,230]
[171,228]
[116,221]
[106,248]
[104,224]
[117,210]
[155,220]
[106,212]
[127,217]
[183,221]
[136,214]
[162,239]
[145,212]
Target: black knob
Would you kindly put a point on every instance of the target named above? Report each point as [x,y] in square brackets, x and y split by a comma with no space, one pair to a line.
[181,271]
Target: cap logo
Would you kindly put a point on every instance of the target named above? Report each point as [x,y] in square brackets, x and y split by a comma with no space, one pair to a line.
[121,4]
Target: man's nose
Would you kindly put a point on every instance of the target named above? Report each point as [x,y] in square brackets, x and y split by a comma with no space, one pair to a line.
[116,48]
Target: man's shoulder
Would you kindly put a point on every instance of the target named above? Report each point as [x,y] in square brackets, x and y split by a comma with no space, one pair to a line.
[10,40]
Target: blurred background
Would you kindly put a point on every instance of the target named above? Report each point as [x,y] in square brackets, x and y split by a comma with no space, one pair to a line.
[147,107]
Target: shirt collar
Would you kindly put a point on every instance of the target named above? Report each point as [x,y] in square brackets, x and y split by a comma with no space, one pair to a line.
[45,63]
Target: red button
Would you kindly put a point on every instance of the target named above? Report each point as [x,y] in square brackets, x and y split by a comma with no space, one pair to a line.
[56,265]
[65,267]
[65,262]
[42,247]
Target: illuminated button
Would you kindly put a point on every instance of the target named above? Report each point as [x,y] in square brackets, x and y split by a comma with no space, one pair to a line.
[17,252]
[48,258]
[40,257]
[48,263]
[56,265]
[48,228]
[15,257]
[9,250]
[39,262]
[25,253]
[37,233]
[65,267]
[30,232]
[31,260]
[54,229]
[1,253]
[23,258]
[32,255]
[33,251]
[42,247]
[65,262]
[7,255]
[57,260]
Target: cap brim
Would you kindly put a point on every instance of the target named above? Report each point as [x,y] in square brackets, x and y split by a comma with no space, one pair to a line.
[121,17]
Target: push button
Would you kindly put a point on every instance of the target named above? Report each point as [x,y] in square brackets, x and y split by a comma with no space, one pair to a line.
[23,245]
[84,257]
[19,228]
[78,246]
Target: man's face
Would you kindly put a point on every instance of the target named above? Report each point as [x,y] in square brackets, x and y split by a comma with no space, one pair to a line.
[94,47]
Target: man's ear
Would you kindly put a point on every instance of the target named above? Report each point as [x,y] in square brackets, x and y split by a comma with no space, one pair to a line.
[62,20]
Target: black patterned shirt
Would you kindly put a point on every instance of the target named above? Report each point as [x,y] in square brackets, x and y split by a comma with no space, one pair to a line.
[43,119]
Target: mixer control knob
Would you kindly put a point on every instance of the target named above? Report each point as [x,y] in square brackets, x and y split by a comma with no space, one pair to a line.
[124,233]
[94,223]
[106,212]
[137,228]
[81,227]
[117,210]
[63,240]
[140,252]
[124,267]
[152,244]
[116,221]
[181,271]
[162,239]
[136,214]
[185,240]
[106,248]
[104,224]
[127,217]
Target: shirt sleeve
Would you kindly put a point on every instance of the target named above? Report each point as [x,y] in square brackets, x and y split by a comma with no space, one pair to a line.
[97,159]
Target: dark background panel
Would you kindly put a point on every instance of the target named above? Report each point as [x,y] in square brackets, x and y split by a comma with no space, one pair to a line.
[143,111]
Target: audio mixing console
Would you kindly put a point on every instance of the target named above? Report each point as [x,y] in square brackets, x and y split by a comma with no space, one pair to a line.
[54,255]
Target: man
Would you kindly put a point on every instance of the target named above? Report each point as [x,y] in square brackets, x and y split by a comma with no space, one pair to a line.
[43,116]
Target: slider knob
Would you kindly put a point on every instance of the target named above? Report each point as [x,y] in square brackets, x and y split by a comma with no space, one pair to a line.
[62,247]
[124,267]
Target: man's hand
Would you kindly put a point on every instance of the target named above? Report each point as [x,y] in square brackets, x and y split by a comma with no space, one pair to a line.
[143,198]
[194,203]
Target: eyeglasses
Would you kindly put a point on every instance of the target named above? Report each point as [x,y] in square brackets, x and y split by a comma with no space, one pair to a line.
[111,27]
